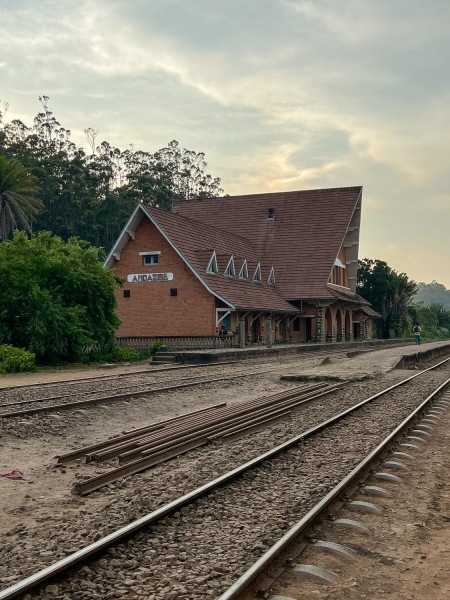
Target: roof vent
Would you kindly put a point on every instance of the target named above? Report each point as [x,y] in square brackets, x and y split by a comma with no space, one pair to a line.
[271,214]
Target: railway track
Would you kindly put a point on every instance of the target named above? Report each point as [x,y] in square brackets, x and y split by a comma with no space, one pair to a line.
[197,545]
[77,399]
[134,378]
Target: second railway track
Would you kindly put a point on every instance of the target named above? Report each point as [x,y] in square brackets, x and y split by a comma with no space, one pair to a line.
[77,399]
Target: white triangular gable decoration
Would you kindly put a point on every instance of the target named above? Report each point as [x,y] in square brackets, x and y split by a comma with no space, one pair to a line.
[230,270]
[339,263]
[243,273]
[271,278]
[212,265]
[257,273]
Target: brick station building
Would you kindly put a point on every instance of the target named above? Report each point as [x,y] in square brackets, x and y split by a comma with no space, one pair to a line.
[287,261]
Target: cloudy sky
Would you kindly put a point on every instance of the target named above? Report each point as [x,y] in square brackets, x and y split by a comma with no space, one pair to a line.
[279,94]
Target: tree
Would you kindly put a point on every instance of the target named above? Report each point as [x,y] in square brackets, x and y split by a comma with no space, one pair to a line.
[434,319]
[388,292]
[91,195]
[18,204]
[56,299]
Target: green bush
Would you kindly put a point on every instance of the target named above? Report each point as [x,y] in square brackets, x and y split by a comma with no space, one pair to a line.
[16,360]
[154,349]
[119,354]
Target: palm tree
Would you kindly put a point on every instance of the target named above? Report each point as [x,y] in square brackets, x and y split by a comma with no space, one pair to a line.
[18,204]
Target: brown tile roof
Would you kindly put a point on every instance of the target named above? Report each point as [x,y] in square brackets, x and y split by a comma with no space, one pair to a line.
[302,241]
[371,313]
[345,294]
[197,241]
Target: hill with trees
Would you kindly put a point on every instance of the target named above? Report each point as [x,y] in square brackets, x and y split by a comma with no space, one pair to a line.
[432,293]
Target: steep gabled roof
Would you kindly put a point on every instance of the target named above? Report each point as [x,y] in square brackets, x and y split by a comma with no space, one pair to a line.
[197,240]
[300,233]
[195,243]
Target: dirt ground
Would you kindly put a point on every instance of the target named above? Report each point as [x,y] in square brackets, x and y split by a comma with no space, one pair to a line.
[406,556]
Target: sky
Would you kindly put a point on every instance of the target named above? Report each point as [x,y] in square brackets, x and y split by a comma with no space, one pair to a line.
[279,94]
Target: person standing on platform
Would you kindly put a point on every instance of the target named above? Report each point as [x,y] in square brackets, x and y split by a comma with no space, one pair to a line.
[417,331]
[223,333]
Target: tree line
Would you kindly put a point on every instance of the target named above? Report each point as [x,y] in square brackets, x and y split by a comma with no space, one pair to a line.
[56,300]
[90,195]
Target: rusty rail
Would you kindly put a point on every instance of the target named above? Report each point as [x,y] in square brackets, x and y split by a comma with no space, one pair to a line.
[169,448]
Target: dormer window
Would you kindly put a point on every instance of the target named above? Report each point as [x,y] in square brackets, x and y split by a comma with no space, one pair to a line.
[271,278]
[338,274]
[212,267]
[230,270]
[243,273]
[150,258]
[257,273]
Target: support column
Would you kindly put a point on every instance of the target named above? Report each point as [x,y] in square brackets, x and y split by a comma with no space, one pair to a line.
[320,333]
[269,332]
[242,333]
[364,330]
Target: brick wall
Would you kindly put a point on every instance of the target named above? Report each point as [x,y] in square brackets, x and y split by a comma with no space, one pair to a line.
[150,310]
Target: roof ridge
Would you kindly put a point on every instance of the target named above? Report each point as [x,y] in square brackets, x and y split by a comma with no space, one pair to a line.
[269,194]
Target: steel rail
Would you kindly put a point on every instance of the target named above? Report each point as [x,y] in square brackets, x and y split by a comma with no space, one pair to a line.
[82,392]
[266,559]
[167,425]
[128,395]
[124,532]
[115,376]
[149,459]
[144,447]
[228,413]
[74,454]
[151,371]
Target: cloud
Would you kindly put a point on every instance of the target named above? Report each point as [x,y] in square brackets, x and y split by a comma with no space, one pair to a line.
[439,202]
[280,94]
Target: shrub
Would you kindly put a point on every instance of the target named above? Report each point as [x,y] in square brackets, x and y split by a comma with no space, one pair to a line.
[16,360]
[154,349]
[119,354]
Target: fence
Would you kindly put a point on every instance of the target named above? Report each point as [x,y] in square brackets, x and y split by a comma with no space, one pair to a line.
[177,342]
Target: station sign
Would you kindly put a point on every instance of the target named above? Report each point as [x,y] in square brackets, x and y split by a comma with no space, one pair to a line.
[148,277]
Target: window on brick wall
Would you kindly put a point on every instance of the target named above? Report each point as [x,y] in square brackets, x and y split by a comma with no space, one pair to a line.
[150,258]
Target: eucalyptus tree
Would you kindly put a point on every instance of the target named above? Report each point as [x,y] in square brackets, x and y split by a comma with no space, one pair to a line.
[91,194]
